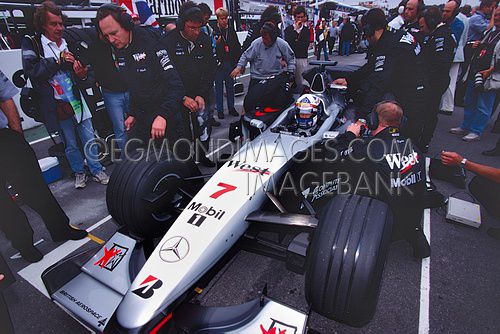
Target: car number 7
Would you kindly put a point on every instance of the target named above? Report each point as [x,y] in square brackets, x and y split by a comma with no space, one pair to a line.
[225,189]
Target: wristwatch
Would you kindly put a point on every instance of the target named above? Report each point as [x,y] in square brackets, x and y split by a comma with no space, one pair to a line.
[462,163]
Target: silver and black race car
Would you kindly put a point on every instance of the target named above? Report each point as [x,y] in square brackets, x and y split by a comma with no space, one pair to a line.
[178,227]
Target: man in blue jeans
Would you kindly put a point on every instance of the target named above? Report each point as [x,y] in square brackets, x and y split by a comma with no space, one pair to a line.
[114,88]
[59,80]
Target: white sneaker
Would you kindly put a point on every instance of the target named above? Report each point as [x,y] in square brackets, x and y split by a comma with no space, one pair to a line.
[80,180]
[458,131]
[101,178]
[471,137]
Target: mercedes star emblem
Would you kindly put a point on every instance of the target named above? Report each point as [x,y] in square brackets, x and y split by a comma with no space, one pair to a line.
[174,249]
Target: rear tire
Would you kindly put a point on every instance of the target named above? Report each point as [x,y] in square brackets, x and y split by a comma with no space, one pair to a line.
[147,196]
[346,258]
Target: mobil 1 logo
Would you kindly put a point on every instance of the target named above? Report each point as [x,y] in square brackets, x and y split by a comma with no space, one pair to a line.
[202,212]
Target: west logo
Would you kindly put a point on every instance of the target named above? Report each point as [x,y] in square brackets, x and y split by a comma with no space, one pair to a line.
[244,167]
[148,287]
[402,162]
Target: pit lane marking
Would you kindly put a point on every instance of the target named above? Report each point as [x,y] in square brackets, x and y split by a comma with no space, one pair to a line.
[425,275]
[33,272]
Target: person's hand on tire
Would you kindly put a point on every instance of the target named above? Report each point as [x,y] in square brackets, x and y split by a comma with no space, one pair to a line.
[129,122]
[158,127]
[191,104]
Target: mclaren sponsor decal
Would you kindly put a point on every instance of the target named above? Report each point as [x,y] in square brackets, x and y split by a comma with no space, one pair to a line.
[139,56]
[206,210]
[196,219]
[321,190]
[244,167]
[147,288]
[407,180]
[111,257]
[403,162]
[84,307]
[278,327]
[174,249]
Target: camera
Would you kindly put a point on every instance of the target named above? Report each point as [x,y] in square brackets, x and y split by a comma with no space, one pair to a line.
[478,81]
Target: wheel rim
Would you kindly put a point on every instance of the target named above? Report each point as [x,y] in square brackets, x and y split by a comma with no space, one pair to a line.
[169,199]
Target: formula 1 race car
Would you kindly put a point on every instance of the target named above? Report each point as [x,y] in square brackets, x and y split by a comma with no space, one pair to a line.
[176,231]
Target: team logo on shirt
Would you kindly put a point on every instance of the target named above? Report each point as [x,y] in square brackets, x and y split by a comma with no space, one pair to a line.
[379,63]
[139,56]
[402,162]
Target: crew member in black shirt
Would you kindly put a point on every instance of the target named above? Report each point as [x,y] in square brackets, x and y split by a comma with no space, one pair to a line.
[192,55]
[394,71]
[298,37]
[438,52]
[155,87]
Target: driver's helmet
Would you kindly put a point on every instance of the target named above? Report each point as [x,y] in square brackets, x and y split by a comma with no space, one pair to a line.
[307,111]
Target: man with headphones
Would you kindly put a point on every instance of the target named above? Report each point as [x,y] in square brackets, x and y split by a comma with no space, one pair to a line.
[413,10]
[270,14]
[272,66]
[398,21]
[438,52]
[393,69]
[192,54]
[155,87]
[385,156]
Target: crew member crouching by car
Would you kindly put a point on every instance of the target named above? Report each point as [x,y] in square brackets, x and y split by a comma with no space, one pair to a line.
[385,155]
[155,87]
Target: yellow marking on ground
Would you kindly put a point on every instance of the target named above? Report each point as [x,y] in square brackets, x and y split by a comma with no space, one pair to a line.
[91,236]
[96,239]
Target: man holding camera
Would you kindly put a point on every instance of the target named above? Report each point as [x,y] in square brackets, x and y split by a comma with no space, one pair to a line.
[61,82]
[481,88]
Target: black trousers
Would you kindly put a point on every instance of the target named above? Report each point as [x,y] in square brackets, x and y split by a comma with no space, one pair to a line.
[431,119]
[19,167]
[486,192]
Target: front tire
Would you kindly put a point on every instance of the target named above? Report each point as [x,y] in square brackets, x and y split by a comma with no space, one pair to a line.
[346,259]
[147,195]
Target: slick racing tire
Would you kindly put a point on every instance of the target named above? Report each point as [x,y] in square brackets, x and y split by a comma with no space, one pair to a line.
[346,259]
[147,195]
